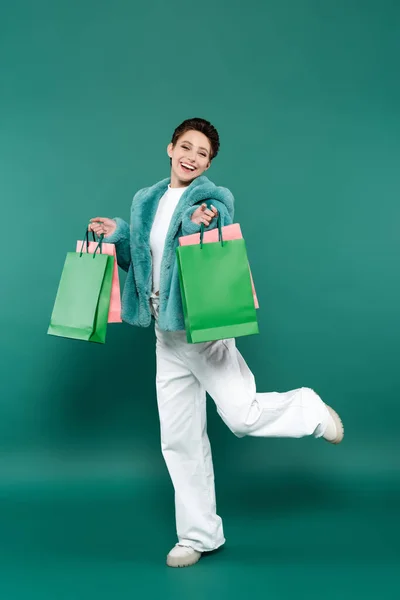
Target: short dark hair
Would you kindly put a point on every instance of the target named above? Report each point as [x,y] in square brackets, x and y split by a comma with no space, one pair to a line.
[203,126]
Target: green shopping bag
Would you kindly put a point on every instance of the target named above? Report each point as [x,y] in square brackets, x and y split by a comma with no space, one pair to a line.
[216,289]
[83,297]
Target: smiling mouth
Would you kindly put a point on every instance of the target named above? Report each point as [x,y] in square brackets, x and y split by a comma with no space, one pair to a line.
[187,168]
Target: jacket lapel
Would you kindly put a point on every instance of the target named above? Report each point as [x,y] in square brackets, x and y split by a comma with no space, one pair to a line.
[143,211]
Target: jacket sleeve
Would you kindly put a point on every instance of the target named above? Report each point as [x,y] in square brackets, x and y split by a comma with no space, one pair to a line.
[121,239]
[188,227]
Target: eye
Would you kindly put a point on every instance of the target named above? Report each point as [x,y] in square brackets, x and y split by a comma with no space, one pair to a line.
[186,147]
[202,154]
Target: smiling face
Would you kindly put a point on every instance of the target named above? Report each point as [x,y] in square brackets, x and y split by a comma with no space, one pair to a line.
[190,156]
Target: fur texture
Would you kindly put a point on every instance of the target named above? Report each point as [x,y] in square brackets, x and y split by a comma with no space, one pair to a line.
[134,255]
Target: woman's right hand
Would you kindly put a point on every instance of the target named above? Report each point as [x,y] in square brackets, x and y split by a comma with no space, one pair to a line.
[102,226]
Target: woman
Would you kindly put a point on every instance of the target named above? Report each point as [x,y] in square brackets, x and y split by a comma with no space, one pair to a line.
[185,372]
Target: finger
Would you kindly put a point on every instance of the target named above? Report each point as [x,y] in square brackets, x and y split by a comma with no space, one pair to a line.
[214,210]
[98,220]
[98,230]
[203,207]
[209,213]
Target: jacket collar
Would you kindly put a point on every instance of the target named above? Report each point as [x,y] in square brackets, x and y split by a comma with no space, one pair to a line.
[144,208]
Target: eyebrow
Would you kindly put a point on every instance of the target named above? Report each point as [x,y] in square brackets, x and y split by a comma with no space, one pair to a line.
[200,147]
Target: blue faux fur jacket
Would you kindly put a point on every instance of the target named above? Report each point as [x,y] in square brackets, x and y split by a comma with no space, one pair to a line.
[134,255]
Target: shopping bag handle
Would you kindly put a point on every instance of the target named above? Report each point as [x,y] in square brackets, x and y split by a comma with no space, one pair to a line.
[98,247]
[219,225]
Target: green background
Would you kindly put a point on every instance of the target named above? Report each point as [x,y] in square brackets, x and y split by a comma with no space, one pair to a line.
[305,96]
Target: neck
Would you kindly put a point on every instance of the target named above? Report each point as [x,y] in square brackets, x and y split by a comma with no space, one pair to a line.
[178,183]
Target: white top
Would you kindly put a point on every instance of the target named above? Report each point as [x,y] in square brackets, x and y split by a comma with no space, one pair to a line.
[159,230]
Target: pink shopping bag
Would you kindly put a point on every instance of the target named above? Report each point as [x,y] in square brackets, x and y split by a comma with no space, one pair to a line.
[114,313]
[229,232]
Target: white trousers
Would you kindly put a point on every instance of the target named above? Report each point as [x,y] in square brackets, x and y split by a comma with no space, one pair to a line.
[185,372]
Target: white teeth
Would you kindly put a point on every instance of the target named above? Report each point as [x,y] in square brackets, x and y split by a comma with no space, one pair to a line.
[188,166]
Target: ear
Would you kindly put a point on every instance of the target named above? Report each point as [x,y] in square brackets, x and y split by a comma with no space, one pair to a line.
[208,166]
[170,149]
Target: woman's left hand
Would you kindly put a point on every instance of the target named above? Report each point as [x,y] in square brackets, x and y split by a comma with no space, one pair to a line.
[204,215]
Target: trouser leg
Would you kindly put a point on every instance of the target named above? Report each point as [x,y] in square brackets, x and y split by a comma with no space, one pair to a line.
[223,372]
[186,449]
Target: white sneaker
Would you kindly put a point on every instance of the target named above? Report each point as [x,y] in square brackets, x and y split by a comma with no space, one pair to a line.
[183,556]
[334,432]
